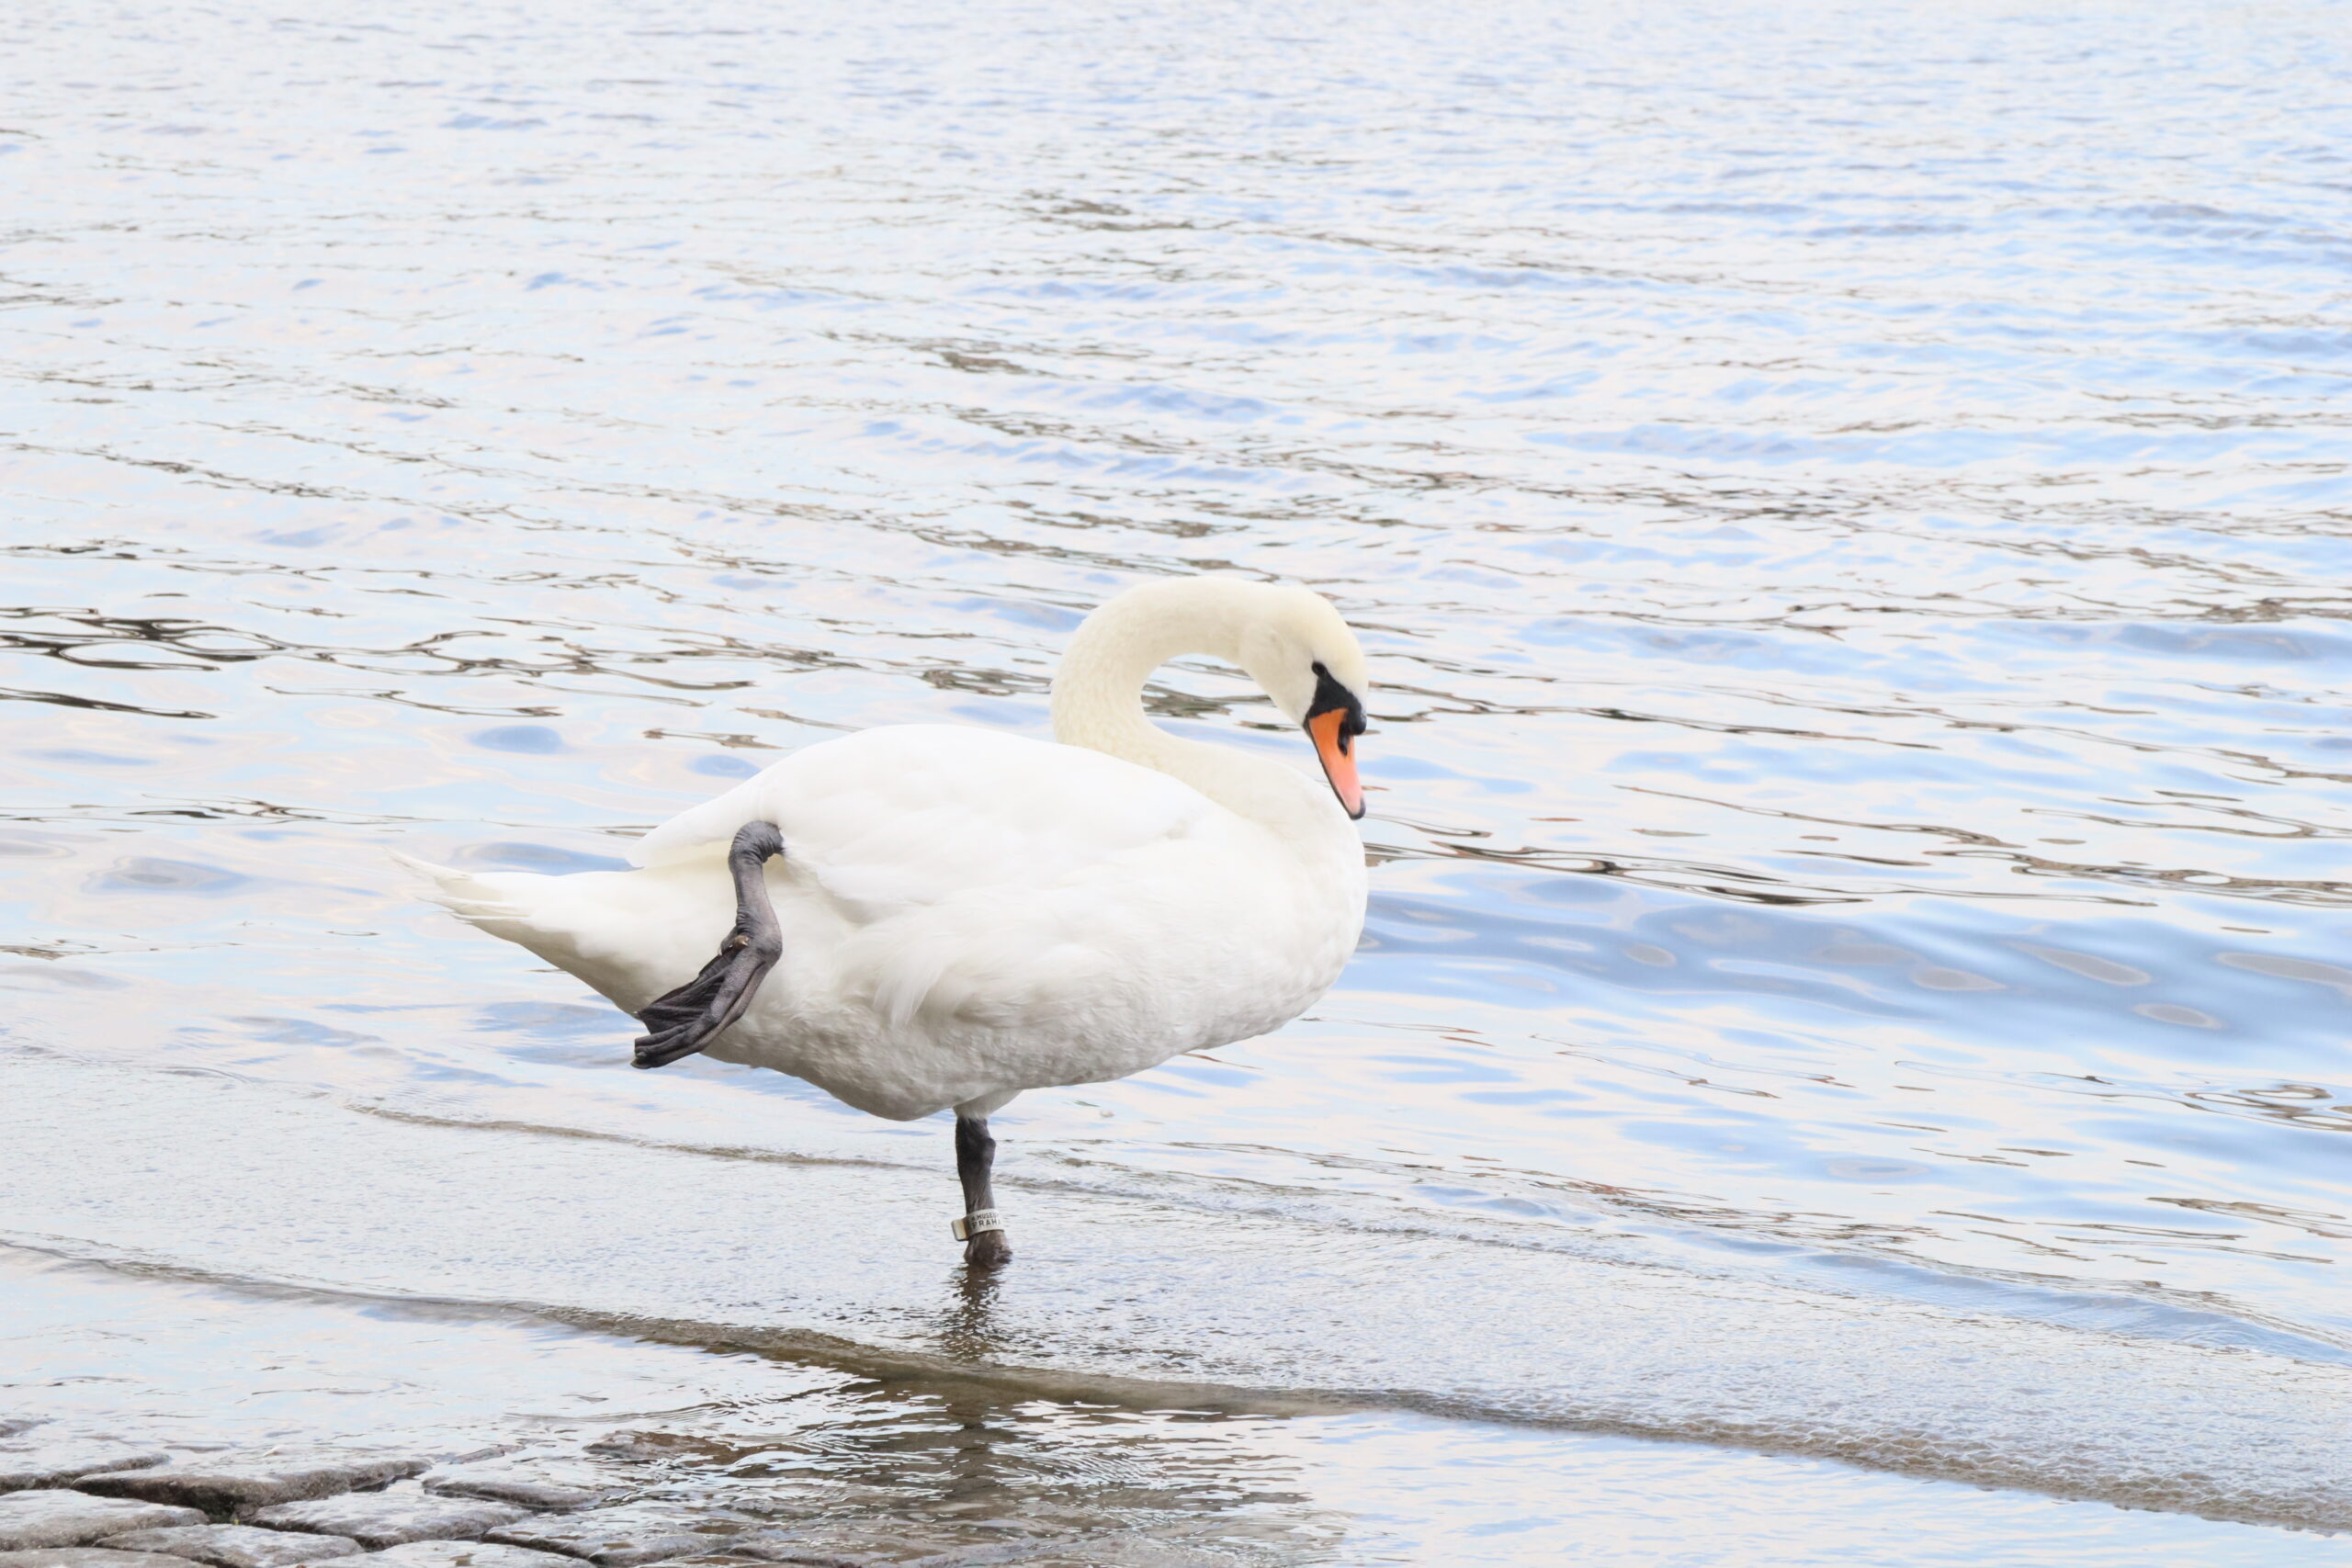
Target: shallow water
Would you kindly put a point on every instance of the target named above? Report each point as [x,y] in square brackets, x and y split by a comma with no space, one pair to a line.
[1847,519]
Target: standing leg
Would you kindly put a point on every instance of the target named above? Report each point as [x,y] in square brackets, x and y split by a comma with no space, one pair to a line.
[983,1237]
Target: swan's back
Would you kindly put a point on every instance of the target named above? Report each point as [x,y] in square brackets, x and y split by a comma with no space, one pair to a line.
[904,816]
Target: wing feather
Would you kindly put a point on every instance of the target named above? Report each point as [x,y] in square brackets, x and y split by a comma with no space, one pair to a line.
[894,818]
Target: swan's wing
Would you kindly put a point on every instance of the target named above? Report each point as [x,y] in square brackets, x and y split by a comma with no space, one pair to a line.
[1168,930]
[903,816]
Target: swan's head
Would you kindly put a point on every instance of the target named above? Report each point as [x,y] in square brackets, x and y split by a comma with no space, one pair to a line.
[1306,656]
[1289,639]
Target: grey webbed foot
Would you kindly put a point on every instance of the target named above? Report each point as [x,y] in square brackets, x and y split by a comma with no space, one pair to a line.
[986,1250]
[687,1020]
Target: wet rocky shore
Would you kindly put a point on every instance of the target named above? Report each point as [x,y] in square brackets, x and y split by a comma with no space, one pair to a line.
[627,1500]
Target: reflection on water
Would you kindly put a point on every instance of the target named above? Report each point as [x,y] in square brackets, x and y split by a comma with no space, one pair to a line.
[1847,527]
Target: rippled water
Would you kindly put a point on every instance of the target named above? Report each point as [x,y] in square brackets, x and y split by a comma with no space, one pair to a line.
[1846,504]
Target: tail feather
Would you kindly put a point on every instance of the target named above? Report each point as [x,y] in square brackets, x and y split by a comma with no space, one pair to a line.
[632,935]
[461,893]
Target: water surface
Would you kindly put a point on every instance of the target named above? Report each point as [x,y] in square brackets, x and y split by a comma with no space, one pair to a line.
[1846,506]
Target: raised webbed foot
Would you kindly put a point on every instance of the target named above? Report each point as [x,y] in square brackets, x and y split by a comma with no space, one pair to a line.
[687,1020]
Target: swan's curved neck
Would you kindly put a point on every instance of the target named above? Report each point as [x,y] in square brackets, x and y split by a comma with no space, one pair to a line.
[1098,693]
[1098,689]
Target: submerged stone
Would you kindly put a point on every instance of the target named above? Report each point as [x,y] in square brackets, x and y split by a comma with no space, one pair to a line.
[616,1538]
[30,1521]
[378,1519]
[56,1464]
[547,1496]
[236,1546]
[230,1484]
[462,1555]
[89,1557]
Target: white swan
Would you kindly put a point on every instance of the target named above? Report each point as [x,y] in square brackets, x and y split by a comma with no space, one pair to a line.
[954,915]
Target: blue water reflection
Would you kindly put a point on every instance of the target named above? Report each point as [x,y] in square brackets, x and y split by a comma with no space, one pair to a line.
[1855,575]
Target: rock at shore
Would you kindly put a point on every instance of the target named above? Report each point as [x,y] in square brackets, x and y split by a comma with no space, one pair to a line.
[614,1538]
[376,1520]
[461,1554]
[236,1546]
[230,1484]
[89,1557]
[33,1521]
[547,1496]
[57,1465]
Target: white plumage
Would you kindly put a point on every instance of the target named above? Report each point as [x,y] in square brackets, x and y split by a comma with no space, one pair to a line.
[966,913]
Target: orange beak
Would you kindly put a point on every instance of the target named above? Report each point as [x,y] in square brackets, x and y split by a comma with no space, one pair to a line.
[1331,745]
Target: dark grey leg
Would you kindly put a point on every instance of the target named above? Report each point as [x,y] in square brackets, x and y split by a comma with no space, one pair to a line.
[975,1154]
[689,1018]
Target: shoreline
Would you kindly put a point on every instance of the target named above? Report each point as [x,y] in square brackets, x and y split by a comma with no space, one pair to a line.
[879,1474]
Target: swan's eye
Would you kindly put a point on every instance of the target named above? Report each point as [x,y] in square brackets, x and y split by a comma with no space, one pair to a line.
[1331,697]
